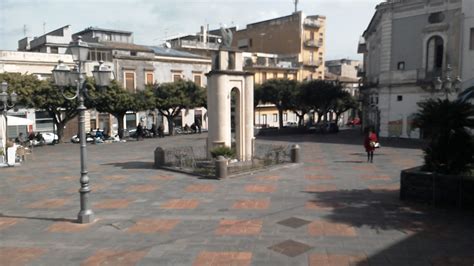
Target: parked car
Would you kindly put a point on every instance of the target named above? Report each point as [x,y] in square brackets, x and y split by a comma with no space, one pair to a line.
[50,138]
[292,124]
[75,138]
[354,122]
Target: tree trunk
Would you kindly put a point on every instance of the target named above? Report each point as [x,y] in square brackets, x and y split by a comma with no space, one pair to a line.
[170,125]
[280,118]
[60,131]
[119,118]
[300,119]
[337,117]
[320,117]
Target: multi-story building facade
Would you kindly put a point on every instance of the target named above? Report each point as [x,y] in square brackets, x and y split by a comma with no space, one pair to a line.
[134,66]
[271,66]
[345,72]
[54,42]
[407,45]
[344,67]
[295,35]
[203,43]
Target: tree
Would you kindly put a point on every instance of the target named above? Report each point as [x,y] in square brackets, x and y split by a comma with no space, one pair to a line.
[300,103]
[445,124]
[116,101]
[171,98]
[344,102]
[43,95]
[321,96]
[278,92]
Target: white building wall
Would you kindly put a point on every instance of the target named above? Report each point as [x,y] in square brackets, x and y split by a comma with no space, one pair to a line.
[467,55]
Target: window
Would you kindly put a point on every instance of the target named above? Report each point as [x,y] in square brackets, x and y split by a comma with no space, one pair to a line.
[264,76]
[434,56]
[133,53]
[275,117]
[471,40]
[436,17]
[399,98]
[401,65]
[264,120]
[176,77]
[311,34]
[285,117]
[149,78]
[197,79]
[275,75]
[54,50]
[130,81]
[231,60]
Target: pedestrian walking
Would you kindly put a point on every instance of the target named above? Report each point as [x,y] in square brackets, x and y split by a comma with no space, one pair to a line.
[154,130]
[198,125]
[139,131]
[161,131]
[371,142]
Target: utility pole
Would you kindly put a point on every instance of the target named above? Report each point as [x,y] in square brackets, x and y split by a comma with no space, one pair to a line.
[296,5]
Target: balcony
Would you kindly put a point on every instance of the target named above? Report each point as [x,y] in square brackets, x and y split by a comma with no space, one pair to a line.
[198,45]
[312,23]
[312,63]
[314,43]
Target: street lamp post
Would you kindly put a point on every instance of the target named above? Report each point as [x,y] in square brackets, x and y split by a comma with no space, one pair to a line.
[63,76]
[447,84]
[4,107]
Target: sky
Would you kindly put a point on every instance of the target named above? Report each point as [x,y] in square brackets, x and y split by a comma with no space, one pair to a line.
[152,21]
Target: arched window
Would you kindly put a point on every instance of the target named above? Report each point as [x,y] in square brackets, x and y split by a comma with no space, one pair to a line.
[434,56]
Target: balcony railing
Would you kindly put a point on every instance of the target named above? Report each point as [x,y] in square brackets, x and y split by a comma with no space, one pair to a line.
[314,43]
[313,63]
[312,23]
[198,45]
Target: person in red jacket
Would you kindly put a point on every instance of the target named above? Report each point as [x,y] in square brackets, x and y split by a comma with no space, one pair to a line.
[369,144]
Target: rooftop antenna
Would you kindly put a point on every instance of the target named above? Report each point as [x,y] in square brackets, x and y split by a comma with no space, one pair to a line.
[25,29]
[44,27]
[296,5]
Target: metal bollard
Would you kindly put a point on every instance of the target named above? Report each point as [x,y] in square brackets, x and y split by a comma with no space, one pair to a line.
[295,153]
[221,167]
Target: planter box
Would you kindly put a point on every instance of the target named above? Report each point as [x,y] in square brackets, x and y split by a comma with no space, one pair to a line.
[437,189]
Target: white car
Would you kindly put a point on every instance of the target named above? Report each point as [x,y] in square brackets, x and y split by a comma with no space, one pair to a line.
[49,137]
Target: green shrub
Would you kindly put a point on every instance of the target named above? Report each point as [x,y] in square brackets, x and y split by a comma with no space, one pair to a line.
[446,125]
[224,151]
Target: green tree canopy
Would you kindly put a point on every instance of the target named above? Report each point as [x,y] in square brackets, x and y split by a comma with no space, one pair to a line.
[279,92]
[321,96]
[171,98]
[43,95]
[117,101]
[344,102]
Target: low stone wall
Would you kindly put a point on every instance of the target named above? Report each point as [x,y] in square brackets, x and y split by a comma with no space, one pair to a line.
[192,160]
[437,189]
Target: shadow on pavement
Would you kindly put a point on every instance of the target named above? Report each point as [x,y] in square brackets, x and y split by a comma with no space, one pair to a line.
[348,136]
[132,165]
[39,218]
[424,235]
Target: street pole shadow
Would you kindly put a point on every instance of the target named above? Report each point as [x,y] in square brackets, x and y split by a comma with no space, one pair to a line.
[132,165]
[39,218]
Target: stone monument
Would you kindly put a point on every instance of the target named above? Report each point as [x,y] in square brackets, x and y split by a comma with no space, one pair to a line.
[226,78]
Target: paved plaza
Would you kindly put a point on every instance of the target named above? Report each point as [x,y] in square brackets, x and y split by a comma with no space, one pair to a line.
[333,209]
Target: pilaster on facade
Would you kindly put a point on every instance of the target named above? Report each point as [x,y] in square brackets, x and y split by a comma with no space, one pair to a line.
[386,42]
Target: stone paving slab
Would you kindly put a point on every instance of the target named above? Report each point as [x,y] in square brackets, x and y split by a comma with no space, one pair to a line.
[332,209]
